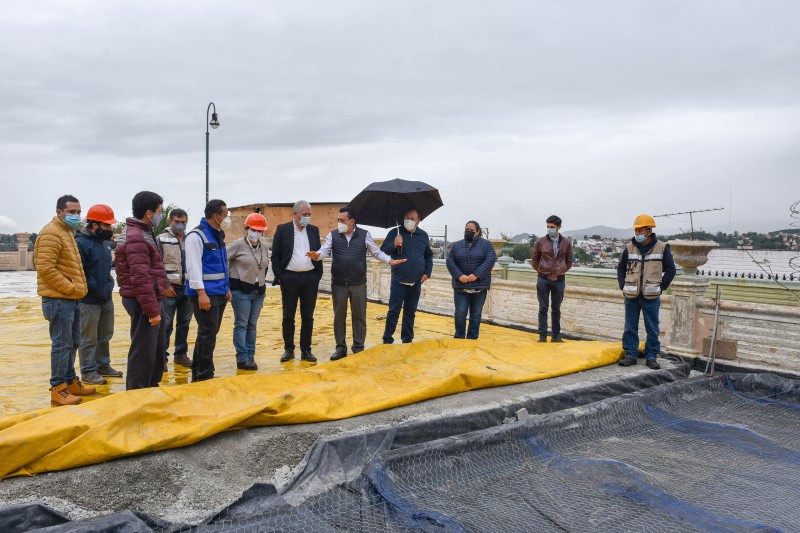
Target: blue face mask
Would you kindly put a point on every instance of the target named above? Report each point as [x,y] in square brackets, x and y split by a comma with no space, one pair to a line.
[641,238]
[73,221]
[552,232]
[305,221]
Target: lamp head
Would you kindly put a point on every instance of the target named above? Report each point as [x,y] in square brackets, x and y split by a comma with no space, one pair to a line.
[214,121]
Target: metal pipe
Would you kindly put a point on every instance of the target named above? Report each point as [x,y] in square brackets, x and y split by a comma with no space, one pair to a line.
[712,350]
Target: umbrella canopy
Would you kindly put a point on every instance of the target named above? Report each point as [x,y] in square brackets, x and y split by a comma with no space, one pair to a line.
[384,203]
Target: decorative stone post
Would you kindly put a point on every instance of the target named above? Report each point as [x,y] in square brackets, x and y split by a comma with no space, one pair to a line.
[22,247]
[686,292]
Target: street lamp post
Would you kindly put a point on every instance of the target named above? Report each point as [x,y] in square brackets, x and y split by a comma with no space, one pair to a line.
[214,123]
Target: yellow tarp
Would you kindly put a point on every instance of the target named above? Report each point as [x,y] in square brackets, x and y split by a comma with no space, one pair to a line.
[379,378]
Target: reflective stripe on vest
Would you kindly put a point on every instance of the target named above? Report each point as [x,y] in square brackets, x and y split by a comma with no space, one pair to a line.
[644,274]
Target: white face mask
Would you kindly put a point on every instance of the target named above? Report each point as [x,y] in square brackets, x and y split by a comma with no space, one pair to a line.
[342,227]
[225,223]
[409,224]
[254,235]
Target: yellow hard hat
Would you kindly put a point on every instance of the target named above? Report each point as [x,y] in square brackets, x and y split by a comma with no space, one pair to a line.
[644,221]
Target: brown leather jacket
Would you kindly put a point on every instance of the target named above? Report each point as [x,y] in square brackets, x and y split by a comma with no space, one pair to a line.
[543,262]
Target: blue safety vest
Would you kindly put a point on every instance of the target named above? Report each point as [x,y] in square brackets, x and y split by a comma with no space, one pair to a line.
[215,261]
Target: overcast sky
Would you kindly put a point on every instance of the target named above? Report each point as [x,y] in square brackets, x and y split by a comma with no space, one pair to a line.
[594,111]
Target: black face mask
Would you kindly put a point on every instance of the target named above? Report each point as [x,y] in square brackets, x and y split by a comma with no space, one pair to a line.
[104,234]
[469,235]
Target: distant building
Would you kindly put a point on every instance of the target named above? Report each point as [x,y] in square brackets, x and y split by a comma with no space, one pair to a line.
[323,215]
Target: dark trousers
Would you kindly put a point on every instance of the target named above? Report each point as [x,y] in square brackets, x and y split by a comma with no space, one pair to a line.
[180,310]
[630,338]
[472,304]
[208,323]
[405,297]
[357,295]
[550,294]
[302,286]
[146,354]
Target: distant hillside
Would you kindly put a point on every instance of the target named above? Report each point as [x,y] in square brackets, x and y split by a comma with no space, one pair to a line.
[603,231]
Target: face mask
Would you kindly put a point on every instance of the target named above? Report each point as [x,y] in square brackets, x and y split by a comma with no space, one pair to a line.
[178,228]
[342,227]
[641,238]
[254,236]
[225,223]
[304,221]
[73,221]
[409,224]
[104,234]
[552,232]
[469,235]
[157,218]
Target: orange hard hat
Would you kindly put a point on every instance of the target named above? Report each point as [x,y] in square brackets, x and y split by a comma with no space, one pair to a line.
[643,221]
[256,221]
[101,213]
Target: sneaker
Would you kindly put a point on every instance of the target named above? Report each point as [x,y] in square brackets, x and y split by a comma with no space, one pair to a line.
[628,361]
[542,338]
[109,372]
[652,363]
[93,378]
[60,395]
[287,356]
[338,354]
[556,339]
[246,365]
[76,388]
[306,355]
[183,360]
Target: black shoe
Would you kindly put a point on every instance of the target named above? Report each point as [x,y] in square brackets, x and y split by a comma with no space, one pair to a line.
[357,350]
[338,354]
[183,360]
[247,365]
[306,355]
[556,338]
[287,356]
[652,363]
[109,372]
[542,338]
[628,361]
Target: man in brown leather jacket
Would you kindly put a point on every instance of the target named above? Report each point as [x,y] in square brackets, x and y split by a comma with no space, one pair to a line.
[551,258]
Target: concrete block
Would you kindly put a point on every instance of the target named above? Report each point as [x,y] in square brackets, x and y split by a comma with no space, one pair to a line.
[726,349]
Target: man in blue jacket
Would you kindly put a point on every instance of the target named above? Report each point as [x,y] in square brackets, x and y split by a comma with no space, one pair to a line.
[411,243]
[97,307]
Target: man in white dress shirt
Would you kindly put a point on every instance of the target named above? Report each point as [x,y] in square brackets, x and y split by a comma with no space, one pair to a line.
[349,247]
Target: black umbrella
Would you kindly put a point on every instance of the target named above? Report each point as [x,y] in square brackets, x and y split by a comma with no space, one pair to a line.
[384,203]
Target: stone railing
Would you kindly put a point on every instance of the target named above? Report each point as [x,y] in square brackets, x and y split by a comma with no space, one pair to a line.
[19,259]
[751,333]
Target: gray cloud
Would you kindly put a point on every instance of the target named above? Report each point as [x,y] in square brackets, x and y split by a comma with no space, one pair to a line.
[515,110]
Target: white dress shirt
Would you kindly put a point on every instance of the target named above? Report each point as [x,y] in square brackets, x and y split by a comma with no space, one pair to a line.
[300,262]
[371,248]
[194,260]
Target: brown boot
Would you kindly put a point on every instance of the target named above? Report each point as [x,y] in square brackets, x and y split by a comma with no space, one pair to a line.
[79,389]
[60,395]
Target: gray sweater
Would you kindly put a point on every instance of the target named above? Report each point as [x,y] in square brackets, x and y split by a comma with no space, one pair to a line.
[248,266]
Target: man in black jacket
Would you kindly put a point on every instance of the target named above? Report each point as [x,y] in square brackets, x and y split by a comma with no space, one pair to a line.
[411,243]
[97,307]
[298,277]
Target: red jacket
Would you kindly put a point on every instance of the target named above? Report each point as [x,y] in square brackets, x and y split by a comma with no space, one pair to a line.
[140,270]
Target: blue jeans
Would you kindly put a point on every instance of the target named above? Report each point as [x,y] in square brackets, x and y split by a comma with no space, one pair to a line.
[65,333]
[97,328]
[246,308]
[630,338]
[472,304]
[550,294]
[405,297]
[181,306]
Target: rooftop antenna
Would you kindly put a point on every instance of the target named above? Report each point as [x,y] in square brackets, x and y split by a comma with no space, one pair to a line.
[691,221]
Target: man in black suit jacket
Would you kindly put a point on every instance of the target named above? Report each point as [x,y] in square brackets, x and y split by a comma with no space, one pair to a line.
[298,277]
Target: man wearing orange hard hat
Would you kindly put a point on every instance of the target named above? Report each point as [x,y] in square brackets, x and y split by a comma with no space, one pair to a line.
[644,272]
[97,307]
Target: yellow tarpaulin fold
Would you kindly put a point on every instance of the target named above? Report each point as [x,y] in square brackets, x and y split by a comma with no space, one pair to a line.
[379,378]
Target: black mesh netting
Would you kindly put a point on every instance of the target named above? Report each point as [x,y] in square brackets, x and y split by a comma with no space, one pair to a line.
[718,454]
